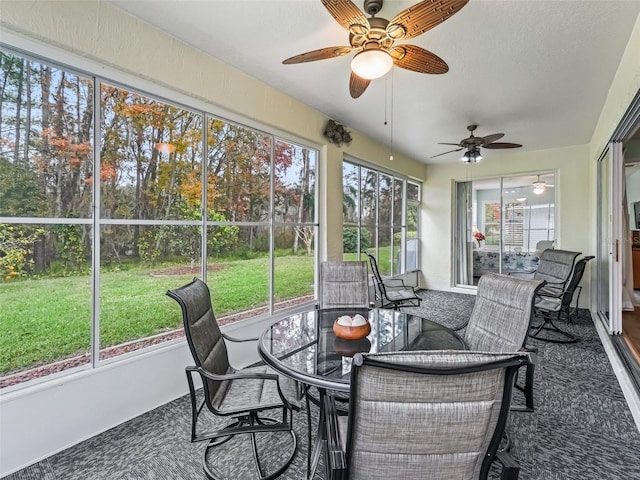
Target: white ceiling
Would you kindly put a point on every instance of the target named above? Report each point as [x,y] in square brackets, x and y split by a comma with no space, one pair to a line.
[536,70]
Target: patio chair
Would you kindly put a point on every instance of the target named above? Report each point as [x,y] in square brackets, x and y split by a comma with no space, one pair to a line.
[501,318]
[392,291]
[344,284]
[543,245]
[241,395]
[423,415]
[552,304]
[555,269]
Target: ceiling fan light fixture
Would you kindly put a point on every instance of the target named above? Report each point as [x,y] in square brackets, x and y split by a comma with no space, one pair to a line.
[371,63]
[471,156]
[538,188]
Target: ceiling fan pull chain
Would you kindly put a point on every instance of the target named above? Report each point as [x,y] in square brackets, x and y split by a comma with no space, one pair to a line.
[391,126]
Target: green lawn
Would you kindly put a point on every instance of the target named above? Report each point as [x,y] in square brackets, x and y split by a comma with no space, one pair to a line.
[48,319]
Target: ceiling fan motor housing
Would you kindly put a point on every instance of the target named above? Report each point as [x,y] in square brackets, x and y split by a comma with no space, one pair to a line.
[372,6]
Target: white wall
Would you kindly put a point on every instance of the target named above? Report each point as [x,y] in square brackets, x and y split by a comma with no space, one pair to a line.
[47,418]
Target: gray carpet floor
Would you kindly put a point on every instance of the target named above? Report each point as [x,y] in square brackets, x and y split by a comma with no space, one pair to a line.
[582,428]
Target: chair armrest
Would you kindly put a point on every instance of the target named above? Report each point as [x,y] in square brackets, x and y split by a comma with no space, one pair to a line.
[533,355]
[336,456]
[394,283]
[398,284]
[233,376]
[240,376]
[238,340]
[551,289]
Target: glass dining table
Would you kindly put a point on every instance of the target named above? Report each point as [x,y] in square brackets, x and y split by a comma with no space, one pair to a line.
[304,347]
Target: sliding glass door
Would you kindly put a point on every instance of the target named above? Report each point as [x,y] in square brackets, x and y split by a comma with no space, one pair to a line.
[502,224]
[610,239]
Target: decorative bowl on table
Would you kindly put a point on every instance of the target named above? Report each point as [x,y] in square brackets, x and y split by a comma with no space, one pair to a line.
[351,328]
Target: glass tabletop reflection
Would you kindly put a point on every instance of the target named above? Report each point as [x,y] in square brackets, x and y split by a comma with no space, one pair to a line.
[304,347]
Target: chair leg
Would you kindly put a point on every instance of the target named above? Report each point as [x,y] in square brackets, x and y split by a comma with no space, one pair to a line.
[527,389]
[250,420]
[547,324]
[510,468]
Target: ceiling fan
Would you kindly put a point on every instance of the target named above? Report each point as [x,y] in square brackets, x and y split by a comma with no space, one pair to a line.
[373,39]
[540,186]
[473,145]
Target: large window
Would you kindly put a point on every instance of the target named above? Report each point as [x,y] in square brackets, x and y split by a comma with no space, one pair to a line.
[92,236]
[380,216]
[502,224]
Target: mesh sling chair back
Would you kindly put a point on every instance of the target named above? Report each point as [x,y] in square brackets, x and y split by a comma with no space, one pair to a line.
[555,303]
[501,318]
[242,395]
[344,284]
[555,269]
[392,291]
[424,415]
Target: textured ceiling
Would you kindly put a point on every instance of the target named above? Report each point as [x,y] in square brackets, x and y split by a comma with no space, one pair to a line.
[537,71]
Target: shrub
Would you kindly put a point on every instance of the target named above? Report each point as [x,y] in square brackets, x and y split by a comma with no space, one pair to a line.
[350,239]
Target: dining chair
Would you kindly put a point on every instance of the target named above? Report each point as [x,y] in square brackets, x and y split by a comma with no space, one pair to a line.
[423,415]
[392,291]
[501,318]
[243,395]
[550,305]
[344,284]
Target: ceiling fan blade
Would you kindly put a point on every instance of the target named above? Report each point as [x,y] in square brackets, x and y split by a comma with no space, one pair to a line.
[421,17]
[346,13]
[321,54]
[357,85]
[497,145]
[418,59]
[450,151]
[491,138]
[456,144]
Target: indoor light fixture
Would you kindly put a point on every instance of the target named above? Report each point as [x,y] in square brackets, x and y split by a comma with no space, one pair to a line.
[471,156]
[538,188]
[371,63]
[521,199]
